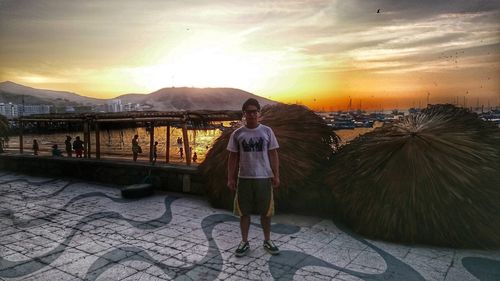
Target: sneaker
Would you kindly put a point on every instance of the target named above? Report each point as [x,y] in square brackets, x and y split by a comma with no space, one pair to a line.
[271,248]
[242,249]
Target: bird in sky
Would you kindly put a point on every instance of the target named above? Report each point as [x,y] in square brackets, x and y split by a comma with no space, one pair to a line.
[378,11]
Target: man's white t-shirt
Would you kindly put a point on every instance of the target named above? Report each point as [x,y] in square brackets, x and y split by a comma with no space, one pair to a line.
[253,146]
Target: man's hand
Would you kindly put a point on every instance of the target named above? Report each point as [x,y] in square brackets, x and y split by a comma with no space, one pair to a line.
[276,182]
[231,183]
[232,170]
[275,166]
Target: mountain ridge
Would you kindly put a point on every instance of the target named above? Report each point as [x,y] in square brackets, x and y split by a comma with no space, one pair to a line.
[15,88]
[164,99]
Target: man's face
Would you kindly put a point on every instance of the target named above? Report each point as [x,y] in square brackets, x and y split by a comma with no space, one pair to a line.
[251,114]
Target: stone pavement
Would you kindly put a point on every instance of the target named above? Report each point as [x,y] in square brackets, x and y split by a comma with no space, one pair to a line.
[55,229]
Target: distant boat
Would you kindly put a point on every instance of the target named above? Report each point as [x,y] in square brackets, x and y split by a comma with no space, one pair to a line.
[494,120]
[343,121]
[364,124]
[492,116]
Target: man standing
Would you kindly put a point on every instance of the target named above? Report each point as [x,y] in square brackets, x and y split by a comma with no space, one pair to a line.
[253,171]
[136,148]
[78,147]
[67,144]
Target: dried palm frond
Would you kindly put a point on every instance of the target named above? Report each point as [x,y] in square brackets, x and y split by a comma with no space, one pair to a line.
[433,178]
[306,144]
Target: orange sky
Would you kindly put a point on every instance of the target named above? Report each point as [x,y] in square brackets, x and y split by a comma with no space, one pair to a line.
[318,53]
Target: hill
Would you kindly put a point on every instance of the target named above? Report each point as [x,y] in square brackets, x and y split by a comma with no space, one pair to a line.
[166,99]
[12,92]
[173,99]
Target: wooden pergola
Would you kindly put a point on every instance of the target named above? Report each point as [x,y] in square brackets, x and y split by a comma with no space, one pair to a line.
[152,118]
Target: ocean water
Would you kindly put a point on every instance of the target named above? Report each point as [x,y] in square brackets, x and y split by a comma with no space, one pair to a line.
[118,143]
[348,135]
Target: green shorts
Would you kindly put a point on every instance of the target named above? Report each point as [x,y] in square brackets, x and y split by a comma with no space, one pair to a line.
[254,196]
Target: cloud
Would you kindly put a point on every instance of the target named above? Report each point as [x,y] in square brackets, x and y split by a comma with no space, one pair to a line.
[42,36]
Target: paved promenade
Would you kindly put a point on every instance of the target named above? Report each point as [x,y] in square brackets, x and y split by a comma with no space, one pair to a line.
[55,229]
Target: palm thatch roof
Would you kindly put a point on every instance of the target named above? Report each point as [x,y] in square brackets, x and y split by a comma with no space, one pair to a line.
[433,178]
[306,144]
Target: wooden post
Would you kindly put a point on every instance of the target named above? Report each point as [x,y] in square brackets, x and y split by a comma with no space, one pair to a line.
[89,153]
[85,140]
[167,152]
[97,141]
[151,140]
[186,143]
[21,129]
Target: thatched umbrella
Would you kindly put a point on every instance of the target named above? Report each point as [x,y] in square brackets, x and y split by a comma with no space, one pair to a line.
[306,144]
[433,178]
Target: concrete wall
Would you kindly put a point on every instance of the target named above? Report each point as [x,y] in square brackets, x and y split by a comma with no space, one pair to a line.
[122,173]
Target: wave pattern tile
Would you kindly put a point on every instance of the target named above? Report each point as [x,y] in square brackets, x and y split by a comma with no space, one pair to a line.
[54,229]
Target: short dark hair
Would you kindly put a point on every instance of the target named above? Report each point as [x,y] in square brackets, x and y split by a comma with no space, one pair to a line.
[250,101]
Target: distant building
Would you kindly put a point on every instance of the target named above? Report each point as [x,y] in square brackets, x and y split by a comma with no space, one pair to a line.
[9,110]
[34,109]
[115,106]
[83,109]
[131,107]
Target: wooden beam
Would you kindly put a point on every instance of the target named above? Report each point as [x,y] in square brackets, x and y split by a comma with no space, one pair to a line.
[186,143]
[21,144]
[205,115]
[51,120]
[97,142]
[140,119]
[167,146]
[151,140]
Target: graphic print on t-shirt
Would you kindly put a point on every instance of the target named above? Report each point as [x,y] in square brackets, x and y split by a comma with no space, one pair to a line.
[253,144]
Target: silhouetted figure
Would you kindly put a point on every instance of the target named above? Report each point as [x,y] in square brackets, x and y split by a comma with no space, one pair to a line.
[181,153]
[378,11]
[67,143]
[78,147]
[55,151]
[179,145]
[136,148]
[155,152]
[35,147]
[195,157]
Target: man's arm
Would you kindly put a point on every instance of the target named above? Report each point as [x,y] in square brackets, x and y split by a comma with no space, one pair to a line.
[232,170]
[275,166]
